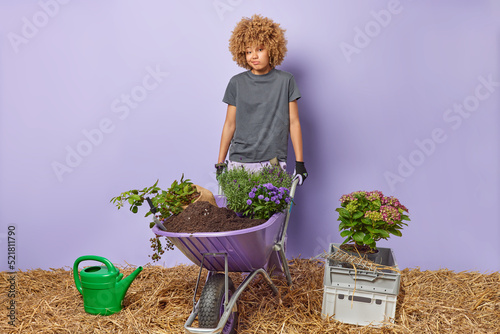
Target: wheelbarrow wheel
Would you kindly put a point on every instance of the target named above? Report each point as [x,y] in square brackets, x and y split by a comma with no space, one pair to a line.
[211,305]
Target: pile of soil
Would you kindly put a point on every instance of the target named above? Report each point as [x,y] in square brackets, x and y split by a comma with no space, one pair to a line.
[354,248]
[204,217]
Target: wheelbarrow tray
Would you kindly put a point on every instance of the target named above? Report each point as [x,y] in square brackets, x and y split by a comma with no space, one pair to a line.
[247,249]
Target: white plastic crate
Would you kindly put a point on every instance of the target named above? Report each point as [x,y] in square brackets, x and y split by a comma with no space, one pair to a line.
[358,307]
[361,297]
[382,281]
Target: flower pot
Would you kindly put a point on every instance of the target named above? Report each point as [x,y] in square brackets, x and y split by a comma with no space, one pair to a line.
[365,253]
[205,196]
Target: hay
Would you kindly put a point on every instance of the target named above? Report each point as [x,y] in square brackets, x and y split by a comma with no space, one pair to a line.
[160,300]
[341,257]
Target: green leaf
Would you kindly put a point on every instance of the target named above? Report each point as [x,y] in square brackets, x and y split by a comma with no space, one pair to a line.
[151,224]
[135,197]
[358,236]
[395,232]
[367,240]
[344,213]
[134,209]
[346,234]
[357,215]
[382,233]
[351,223]
[366,221]
[343,220]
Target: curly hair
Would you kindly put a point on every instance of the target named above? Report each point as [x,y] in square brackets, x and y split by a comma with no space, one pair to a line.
[258,30]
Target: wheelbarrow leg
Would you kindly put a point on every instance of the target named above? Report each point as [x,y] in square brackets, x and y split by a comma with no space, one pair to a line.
[284,262]
[279,247]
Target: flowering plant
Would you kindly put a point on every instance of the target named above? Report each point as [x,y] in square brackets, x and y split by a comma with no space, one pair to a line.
[265,200]
[366,217]
[246,191]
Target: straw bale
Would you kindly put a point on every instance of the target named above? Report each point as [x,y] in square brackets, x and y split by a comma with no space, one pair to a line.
[160,301]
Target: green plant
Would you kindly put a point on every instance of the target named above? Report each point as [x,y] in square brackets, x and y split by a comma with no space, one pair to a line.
[367,217]
[168,202]
[265,200]
[242,189]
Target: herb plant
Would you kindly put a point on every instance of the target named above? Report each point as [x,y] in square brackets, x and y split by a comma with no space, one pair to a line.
[366,217]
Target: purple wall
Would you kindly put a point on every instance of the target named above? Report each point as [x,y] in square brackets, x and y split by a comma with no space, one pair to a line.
[98,98]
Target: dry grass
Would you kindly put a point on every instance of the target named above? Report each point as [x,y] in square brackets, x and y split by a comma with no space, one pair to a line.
[160,300]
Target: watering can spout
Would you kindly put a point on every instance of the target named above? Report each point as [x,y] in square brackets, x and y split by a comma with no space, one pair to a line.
[123,285]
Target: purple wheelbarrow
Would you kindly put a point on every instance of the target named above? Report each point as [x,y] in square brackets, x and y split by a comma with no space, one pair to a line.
[255,250]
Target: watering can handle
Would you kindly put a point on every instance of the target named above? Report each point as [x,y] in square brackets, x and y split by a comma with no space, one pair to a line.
[109,265]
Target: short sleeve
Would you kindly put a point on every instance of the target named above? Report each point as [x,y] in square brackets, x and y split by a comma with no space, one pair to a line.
[293,90]
[230,94]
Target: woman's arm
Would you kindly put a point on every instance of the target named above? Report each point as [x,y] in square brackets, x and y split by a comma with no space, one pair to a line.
[227,132]
[295,131]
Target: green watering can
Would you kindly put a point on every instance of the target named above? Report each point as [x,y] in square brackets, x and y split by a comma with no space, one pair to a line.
[102,287]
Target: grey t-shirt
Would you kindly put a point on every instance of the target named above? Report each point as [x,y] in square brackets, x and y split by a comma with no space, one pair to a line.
[262,115]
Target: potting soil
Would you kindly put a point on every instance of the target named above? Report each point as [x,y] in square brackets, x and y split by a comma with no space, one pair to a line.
[204,217]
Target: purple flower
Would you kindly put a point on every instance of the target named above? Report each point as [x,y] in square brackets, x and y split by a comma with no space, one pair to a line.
[249,202]
[251,195]
[261,197]
[266,199]
[277,201]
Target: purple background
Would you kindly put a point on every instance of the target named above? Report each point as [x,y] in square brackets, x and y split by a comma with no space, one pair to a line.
[397,96]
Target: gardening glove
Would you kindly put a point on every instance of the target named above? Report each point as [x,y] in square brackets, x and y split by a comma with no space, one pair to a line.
[300,172]
[220,167]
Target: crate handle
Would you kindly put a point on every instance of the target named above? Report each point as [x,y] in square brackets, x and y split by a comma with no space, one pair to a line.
[364,277]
